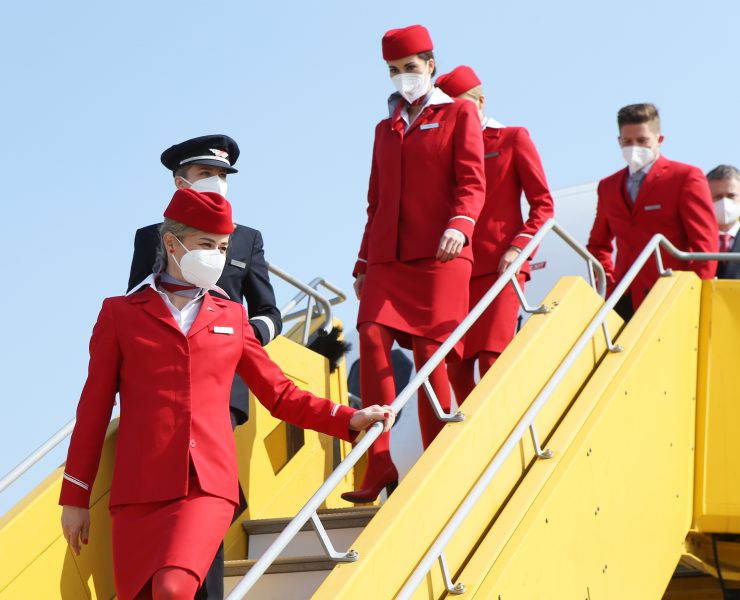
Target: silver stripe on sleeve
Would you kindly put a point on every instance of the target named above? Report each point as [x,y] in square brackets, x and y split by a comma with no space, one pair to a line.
[76,481]
[269,323]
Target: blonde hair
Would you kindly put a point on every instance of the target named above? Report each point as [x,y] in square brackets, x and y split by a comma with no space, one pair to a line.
[474,93]
[179,230]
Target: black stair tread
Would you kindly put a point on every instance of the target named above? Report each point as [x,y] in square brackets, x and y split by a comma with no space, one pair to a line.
[294,564]
[336,518]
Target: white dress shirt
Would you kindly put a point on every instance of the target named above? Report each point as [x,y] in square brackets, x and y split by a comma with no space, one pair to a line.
[185,316]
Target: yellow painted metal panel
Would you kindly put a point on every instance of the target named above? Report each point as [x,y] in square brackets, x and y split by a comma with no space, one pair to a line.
[607,517]
[394,541]
[717,491]
[33,525]
[52,575]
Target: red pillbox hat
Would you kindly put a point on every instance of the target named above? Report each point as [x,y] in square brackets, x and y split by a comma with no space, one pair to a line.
[206,211]
[458,81]
[398,43]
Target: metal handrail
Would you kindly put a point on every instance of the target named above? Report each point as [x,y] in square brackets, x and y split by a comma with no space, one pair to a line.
[37,455]
[313,295]
[313,504]
[527,421]
[66,430]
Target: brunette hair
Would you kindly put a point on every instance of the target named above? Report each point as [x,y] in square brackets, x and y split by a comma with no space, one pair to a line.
[181,171]
[635,114]
[723,172]
[425,56]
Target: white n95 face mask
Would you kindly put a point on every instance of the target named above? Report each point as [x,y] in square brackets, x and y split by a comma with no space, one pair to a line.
[637,157]
[202,268]
[727,211]
[209,184]
[411,86]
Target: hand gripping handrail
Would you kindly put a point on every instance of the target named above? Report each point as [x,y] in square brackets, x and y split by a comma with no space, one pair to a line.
[527,421]
[308,511]
[306,290]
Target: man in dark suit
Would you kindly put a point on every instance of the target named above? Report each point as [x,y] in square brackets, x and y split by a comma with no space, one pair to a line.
[203,164]
[724,183]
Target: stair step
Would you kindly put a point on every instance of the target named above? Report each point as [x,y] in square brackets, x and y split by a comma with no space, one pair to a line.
[296,578]
[336,518]
[343,525]
[293,564]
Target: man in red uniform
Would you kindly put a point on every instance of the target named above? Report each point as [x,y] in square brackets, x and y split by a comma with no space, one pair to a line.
[652,195]
[512,166]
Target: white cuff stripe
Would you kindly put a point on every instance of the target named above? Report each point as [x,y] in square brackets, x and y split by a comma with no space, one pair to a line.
[463,217]
[526,235]
[269,323]
[334,410]
[362,260]
[76,481]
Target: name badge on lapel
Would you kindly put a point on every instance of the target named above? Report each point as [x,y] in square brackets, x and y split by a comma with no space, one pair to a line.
[428,126]
[491,154]
[653,207]
[222,329]
[238,263]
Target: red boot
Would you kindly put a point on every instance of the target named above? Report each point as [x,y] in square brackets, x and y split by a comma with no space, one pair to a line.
[376,387]
[381,473]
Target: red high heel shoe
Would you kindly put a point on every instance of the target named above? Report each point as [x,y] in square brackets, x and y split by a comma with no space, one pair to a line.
[370,490]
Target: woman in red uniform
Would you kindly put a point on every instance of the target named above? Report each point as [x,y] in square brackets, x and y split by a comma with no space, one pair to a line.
[170,350]
[513,166]
[427,187]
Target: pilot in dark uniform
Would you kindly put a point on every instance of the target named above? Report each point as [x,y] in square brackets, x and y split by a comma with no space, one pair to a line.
[203,163]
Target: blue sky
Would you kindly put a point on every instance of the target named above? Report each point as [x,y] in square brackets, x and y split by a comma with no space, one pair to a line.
[94,91]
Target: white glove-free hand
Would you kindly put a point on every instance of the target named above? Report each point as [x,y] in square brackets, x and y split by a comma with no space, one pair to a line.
[75,526]
[359,281]
[450,245]
[362,419]
[508,258]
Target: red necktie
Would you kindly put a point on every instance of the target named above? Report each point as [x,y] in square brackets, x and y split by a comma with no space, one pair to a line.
[725,242]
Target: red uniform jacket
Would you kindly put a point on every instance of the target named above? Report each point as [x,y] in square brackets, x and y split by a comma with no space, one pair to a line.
[423,181]
[174,393]
[674,200]
[512,166]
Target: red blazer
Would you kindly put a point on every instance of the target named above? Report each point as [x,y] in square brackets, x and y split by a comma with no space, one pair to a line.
[512,166]
[674,200]
[423,181]
[174,392]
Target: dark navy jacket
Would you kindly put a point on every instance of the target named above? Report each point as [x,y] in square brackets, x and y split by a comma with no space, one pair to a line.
[245,277]
[727,269]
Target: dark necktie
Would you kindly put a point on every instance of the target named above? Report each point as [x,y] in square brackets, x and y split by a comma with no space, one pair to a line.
[725,242]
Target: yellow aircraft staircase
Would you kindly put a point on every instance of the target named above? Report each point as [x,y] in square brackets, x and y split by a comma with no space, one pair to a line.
[594,460]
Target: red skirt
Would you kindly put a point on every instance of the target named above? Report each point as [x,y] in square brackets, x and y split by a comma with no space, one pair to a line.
[422,298]
[183,533]
[496,327]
